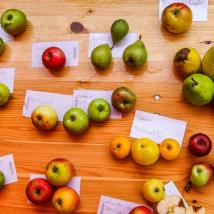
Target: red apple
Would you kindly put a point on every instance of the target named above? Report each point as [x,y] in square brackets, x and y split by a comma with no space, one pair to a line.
[39,190]
[200,144]
[54,59]
[177,18]
[141,210]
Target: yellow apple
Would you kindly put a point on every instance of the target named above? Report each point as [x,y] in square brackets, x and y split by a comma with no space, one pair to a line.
[145,151]
[65,200]
[153,190]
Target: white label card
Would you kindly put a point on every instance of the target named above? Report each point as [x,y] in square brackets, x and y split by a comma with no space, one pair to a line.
[171,190]
[110,205]
[7,166]
[5,36]
[7,77]
[96,39]
[70,48]
[157,127]
[60,102]
[84,97]
[74,183]
[199,8]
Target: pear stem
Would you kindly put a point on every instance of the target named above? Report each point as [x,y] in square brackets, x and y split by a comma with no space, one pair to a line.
[140,37]
[188,186]
[194,81]
[112,46]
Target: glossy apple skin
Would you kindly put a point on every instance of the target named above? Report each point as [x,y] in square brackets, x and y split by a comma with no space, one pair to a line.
[4,94]
[39,190]
[200,144]
[177,18]
[65,200]
[59,172]
[2,46]
[123,99]
[54,59]
[141,210]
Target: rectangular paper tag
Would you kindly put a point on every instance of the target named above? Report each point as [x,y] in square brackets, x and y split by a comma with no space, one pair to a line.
[74,183]
[5,36]
[7,166]
[96,39]
[60,102]
[157,127]
[70,48]
[7,77]
[110,205]
[84,97]
[171,190]
[199,8]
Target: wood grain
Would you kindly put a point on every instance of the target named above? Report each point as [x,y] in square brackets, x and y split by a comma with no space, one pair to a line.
[49,20]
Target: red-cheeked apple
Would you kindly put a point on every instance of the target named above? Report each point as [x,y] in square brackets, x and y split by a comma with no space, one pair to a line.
[141,210]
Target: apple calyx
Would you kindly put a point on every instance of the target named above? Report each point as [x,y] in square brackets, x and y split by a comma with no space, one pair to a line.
[176,11]
[182,55]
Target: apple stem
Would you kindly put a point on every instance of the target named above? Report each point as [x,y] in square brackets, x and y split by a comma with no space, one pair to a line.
[194,81]
[188,186]
[112,46]
[140,37]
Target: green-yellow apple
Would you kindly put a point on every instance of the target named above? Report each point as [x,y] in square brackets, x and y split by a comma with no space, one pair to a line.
[44,117]
[2,179]
[75,121]
[187,61]
[14,21]
[153,190]
[4,94]
[145,151]
[198,89]
[65,200]
[2,46]
[123,99]
[177,18]
[99,110]
[59,172]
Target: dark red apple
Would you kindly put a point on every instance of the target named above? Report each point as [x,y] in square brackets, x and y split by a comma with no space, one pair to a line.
[200,144]
[39,190]
[54,59]
[141,210]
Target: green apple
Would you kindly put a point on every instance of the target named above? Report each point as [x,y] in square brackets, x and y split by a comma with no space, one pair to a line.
[13,21]
[2,46]
[76,121]
[99,110]
[2,179]
[44,117]
[59,172]
[198,89]
[4,94]
[145,151]
[153,190]
[201,174]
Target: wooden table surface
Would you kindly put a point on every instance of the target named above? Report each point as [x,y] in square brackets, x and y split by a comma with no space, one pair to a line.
[49,20]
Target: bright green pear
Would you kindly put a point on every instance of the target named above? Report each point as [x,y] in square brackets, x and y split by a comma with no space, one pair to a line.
[208,63]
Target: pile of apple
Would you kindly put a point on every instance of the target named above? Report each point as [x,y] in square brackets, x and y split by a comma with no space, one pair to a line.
[76,121]
[59,173]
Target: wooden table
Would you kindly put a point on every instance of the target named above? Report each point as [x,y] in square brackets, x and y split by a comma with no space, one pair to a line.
[49,20]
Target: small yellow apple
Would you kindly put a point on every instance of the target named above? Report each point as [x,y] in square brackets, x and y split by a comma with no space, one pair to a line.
[145,151]
[153,190]
[120,147]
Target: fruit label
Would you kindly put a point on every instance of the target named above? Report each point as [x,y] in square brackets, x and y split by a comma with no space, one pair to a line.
[157,127]
[60,102]
[171,190]
[84,97]
[74,183]
[7,166]
[7,77]
[199,8]
[110,205]
[5,36]
[70,48]
[96,39]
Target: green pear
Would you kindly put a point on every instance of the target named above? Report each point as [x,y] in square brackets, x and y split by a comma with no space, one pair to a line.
[198,89]
[4,94]
[2,46]
[101,56]
[208,63]
[119,30]
[135,55]
[2,179]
